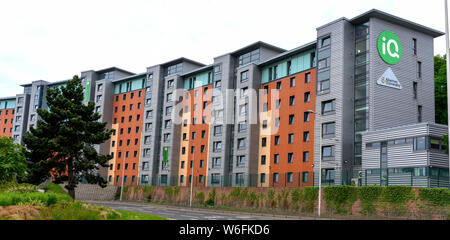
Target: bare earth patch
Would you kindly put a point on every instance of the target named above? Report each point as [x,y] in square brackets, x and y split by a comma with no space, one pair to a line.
[20,212]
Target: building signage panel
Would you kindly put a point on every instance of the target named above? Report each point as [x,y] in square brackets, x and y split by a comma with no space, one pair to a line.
[389,79]
[389,47]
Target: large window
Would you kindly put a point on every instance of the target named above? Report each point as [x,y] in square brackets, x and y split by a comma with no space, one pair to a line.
[327,152]
[248,58]
[328,107]
[216,162]
[328,129]
[323,82]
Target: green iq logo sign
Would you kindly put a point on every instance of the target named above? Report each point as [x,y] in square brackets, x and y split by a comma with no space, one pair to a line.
[389,47]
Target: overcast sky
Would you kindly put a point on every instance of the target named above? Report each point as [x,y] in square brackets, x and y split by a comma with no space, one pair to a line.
[54,40]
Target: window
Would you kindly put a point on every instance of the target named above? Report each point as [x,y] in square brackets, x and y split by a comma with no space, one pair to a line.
[169,97]
[244,92]
[277,122]
[306,117]
[205,104]
[149,114]
[292,82]
[325,42]
[290,157]
[419,114]
[305,157]
[419,69]
[278,104]
[216,162]
[217,146]
[276,158]
[167,137]
[263,160]
[327,152]
[203,134]
[415,46]
[323,82]
[263,177]
[291,100]
[264,124]
[244,76]
[277,140]
[170,84]
[275,178]
[202,163]
[328,107]
[243,109]
[291,139]
[307,77]
[263,142]
[290,177]
[217,130]
[240,161]
[328,129]
[415,90]
[307,97]
[291,119]
[168,124]
[241,143]
[242,126]
[306,137]
[278,85]
[266,90]
[420,144]
[218,84]
[305,177]
[168,111]
[264,107]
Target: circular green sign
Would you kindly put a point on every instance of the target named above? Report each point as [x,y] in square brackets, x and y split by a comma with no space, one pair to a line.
[389,47]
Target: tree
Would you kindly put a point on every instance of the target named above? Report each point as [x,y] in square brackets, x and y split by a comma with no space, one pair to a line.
[440,89]
[62,144]
[13,164]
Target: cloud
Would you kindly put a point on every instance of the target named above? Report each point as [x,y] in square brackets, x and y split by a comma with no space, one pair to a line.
[54,40]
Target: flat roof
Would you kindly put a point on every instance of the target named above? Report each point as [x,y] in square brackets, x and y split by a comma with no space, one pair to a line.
[7,98]
[375,13]
[289,53]
[58,82]
[113,69]
[254,46]
[129,77]
[178,60]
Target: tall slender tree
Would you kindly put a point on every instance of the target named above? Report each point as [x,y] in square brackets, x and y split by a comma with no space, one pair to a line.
[62,145]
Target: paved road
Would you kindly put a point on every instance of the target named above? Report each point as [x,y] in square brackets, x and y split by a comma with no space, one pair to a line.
[181,213]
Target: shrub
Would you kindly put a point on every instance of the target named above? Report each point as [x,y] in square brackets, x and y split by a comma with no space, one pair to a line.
[397,198]
[148,192]
[14,187]
[271,199]
[234,195]
[200,197]
[340,198]
[168,193]
[211,197]
[309,198]
[283,199]
[252,199]
[295,198]
[243,196]
[369,196]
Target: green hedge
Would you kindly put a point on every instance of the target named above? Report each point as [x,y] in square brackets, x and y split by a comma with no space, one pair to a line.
[308,198]
[369,196]
[340,199]
[439,197]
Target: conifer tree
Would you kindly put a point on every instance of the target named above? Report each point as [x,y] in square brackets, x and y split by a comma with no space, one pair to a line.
[63,143]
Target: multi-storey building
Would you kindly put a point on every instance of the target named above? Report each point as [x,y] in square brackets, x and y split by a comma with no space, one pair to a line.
[7,109]
[263,116]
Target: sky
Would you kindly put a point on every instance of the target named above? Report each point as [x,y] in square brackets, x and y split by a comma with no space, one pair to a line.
[55,40]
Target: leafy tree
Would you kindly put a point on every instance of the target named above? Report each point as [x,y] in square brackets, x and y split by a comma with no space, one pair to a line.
[440,89]
[62,144]
[13,164]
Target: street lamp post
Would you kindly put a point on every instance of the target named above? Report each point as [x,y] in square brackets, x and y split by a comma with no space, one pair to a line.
[192,176]
[123,176]
[320,162]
